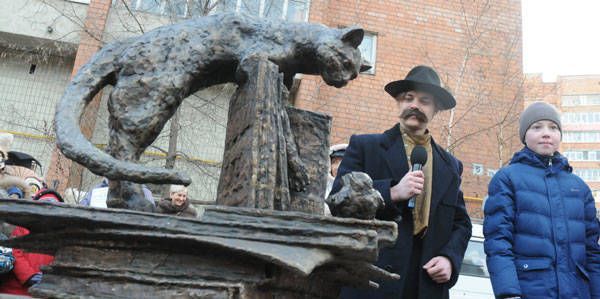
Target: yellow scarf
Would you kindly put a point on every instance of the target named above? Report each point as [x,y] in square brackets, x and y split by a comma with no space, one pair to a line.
[423,200]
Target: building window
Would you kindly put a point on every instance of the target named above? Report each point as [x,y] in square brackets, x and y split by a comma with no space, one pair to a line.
[581,136]
[368,49]
[165,7]
[580,117]
[290,10]
[297,10]
[581,100]
[582,155]
[477,169]
[588,174]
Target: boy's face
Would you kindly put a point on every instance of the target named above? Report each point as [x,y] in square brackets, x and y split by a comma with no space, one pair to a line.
[543,137]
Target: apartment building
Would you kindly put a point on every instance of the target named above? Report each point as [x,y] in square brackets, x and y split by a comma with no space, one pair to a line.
[578,98]
[474,45]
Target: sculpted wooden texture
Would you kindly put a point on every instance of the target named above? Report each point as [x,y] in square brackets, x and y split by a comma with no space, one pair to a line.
[275,156]
[254,172]
[310,133]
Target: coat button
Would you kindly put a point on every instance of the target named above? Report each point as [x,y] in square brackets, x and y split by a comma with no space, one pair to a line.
[388,268]
[525,266]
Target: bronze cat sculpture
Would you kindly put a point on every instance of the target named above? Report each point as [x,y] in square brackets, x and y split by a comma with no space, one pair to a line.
[153,73]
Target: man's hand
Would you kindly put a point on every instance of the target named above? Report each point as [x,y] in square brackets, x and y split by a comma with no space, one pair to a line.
[409,185]
[439,269]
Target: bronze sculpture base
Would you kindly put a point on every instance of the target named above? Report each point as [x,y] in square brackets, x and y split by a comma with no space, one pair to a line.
[226,252]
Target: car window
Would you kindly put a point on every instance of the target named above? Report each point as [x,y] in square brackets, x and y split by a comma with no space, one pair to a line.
[474,261]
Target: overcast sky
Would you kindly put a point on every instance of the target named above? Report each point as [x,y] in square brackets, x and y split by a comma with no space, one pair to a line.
[561,37]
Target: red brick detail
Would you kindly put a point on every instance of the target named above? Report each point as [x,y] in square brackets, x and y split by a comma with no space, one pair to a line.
[59,171]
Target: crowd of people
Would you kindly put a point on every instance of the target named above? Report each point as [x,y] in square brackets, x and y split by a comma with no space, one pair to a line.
[18,179]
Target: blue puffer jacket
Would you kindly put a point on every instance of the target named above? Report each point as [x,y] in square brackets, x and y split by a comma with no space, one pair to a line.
[541,230]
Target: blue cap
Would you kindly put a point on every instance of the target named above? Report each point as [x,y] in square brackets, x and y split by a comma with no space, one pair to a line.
[14,190]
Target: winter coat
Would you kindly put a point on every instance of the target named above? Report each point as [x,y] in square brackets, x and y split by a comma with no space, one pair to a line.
[7,259]
[383,158]
[26,264]
[541,230]
[165,206]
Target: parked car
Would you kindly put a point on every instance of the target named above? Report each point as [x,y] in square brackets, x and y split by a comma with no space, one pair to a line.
[474,279]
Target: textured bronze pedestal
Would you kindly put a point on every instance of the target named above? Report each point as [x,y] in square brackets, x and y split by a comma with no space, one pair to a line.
[275,156]
[225,253]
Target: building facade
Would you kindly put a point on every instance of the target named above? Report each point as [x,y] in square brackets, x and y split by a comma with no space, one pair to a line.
[476,47]
[578,99]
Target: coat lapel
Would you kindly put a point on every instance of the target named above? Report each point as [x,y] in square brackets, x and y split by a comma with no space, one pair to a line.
[443,175]
[443,171]
[395,154]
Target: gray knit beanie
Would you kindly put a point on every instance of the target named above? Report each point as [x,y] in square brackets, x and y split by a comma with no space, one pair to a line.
[535,112]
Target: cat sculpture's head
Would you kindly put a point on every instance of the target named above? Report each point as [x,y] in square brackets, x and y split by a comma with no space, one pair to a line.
[339,59]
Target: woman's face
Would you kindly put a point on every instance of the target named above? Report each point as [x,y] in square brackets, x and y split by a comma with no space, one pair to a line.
[178,198]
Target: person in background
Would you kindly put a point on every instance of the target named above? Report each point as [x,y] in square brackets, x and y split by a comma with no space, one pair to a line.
[336,153]
[26,272]
[177,204]
[98,194]
[7,259]
[11,186]
[540,226]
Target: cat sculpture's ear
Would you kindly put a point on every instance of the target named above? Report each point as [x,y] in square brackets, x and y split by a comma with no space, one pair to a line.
[365,66]
[353,36]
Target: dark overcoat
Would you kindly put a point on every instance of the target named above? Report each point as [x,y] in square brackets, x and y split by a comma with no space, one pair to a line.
[383,158]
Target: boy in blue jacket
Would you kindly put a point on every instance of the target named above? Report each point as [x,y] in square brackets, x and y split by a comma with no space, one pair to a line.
[540,227]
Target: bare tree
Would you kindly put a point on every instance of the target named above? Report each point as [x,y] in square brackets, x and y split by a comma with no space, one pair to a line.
[177,146]
[488,84]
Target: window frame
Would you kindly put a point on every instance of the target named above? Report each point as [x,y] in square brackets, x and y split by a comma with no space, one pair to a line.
[238,4]
[573,100]
[373,57]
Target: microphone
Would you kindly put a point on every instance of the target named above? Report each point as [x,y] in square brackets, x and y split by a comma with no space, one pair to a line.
[418,158]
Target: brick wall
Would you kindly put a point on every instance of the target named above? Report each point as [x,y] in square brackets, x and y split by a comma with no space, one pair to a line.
[475,48]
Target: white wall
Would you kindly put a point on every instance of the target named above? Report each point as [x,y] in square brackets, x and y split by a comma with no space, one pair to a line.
[28,100]
[32,18]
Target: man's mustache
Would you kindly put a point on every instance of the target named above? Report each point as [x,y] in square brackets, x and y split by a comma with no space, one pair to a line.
[413,112]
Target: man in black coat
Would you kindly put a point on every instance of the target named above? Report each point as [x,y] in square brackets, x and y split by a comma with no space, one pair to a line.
[432,235]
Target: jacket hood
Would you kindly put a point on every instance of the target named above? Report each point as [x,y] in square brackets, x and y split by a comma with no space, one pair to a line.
[529,157]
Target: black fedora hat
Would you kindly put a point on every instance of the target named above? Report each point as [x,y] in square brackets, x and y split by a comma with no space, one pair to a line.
[423,78]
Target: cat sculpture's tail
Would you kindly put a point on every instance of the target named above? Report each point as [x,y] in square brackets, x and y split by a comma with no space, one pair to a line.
[90,79]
